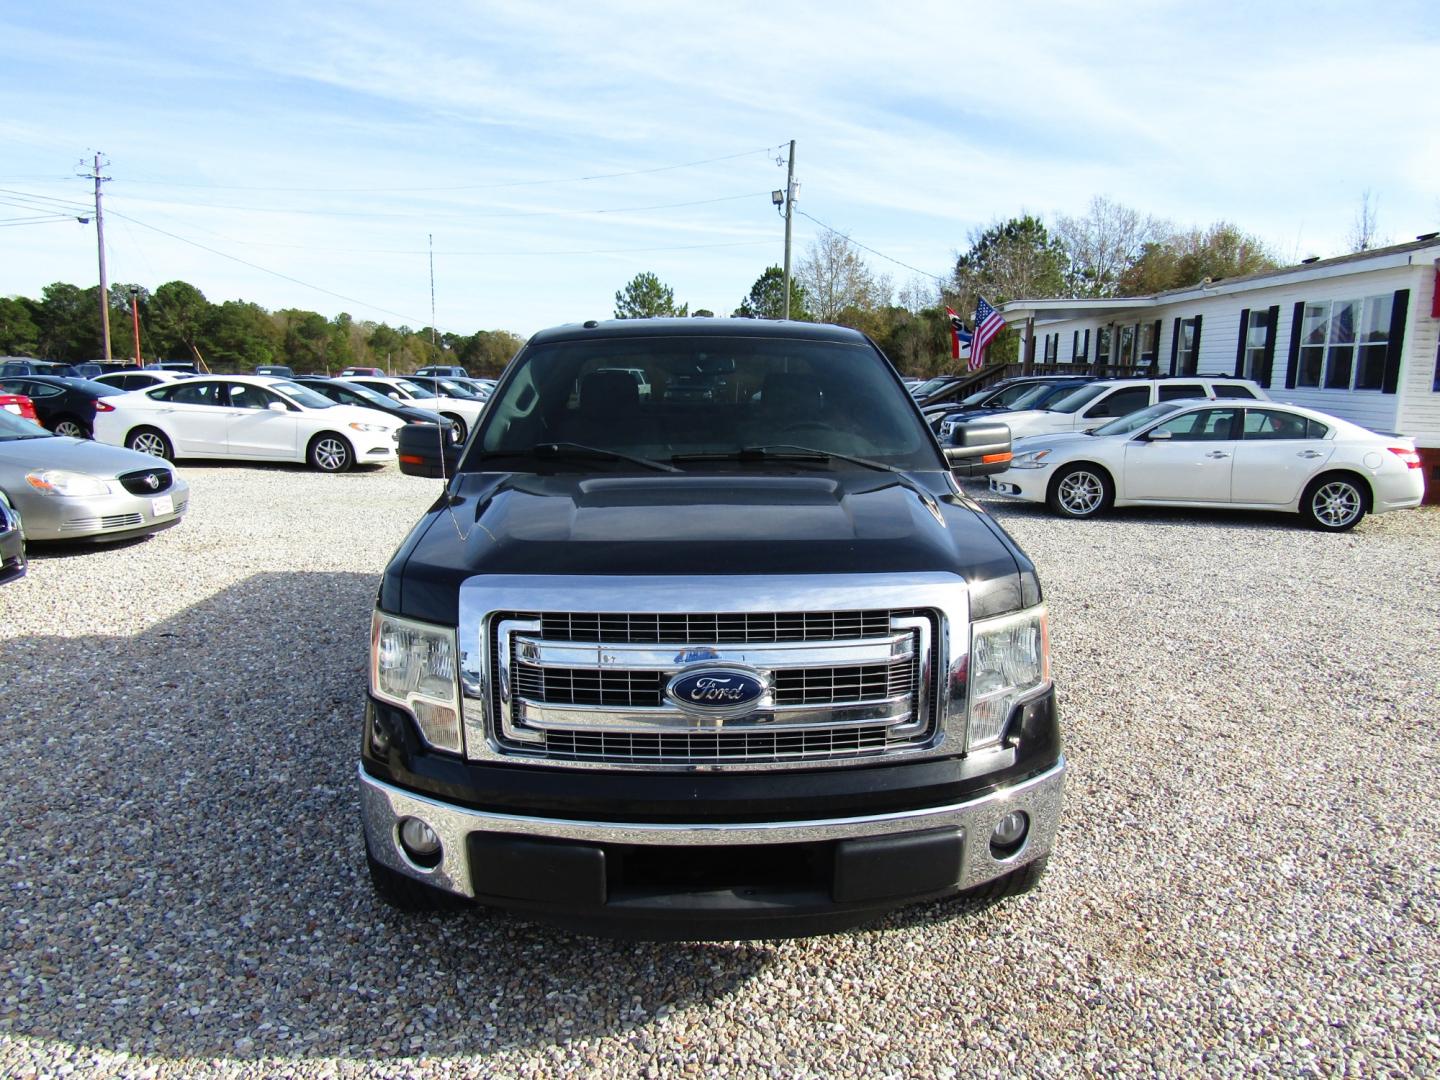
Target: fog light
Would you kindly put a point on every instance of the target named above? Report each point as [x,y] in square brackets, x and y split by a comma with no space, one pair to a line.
[420,842]
[1009,833]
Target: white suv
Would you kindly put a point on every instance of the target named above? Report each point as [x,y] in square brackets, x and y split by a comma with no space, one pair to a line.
[1099,402]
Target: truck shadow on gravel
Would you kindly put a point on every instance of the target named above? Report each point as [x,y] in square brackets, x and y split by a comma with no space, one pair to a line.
[183,873]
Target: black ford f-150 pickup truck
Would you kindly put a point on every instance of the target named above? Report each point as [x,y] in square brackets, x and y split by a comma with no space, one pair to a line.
[741,665]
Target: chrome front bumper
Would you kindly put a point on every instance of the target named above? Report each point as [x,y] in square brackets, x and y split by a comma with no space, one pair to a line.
[384,806]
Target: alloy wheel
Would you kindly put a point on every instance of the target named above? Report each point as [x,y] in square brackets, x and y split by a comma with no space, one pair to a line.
[1081,493]
[1336,504]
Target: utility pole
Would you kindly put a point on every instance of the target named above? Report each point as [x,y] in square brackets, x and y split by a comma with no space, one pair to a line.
[100,241]
[789,202]
[135,317]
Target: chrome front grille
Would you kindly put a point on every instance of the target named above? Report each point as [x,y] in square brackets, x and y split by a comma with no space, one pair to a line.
[591,686]
[721,628]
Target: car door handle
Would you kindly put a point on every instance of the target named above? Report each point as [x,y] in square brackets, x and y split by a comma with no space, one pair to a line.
[1310,454]
[1217,454]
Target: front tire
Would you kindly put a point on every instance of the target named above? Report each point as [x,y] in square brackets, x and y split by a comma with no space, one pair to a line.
[1018,881]
[460,430]
[404,893]
[1335,503]
[147,440]
[330,453]
[1081,491]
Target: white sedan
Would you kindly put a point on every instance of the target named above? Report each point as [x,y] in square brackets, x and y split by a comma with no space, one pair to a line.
[464,413]
[252,417]
[1247,456]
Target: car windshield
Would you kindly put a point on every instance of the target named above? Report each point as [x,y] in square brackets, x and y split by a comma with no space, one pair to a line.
[95,389]
[978,397]
[365,394]
[302,395]
[415,390]
[1032,396]
[1076,400]
[456,389]
[710,398]
[1123,425]
[13,427]
[928,387]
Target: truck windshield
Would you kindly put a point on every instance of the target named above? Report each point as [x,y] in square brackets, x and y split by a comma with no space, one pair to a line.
[704,399]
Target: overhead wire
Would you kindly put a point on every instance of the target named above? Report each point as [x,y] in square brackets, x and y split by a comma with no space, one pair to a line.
[471,187]
[438,217]
[267,270]
[850,240]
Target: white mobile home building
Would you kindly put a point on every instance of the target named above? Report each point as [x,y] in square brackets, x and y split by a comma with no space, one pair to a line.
[1356,336]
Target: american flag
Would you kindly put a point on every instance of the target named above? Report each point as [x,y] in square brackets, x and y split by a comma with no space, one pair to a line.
[988,323]
[958,334]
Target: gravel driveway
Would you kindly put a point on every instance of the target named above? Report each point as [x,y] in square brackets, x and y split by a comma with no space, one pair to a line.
[1245,879]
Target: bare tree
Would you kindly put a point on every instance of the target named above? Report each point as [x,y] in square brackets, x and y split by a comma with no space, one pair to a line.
[1103,243]
[918,294]
[835,278]
[1363,234]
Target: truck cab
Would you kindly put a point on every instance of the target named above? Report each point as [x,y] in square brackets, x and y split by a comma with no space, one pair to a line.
[741,665]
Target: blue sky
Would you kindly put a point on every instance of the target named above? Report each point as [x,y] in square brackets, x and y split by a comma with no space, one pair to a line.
[300,155]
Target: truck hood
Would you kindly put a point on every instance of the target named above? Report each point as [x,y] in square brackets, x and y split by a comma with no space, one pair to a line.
[816,522]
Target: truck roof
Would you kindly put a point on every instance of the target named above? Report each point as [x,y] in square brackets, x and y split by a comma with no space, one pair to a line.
[698,327]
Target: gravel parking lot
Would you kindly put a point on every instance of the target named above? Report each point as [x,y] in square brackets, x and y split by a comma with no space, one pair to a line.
[1246,878]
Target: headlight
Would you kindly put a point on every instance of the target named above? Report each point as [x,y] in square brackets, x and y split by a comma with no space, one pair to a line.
[1031,459]
[63,482]
[412,665]
[368,427]
[1009,658]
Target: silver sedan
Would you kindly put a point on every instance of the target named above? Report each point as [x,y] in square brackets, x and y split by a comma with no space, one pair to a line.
[75,489]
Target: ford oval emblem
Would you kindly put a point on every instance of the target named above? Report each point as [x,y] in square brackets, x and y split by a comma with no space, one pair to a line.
[718,691]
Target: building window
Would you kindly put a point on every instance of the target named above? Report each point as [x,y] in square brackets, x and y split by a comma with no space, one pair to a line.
[1102,345]
[1125,346]
[1052,348]
[1344,343]
[1435,382]
[1187,347]
[1257,333]
[1150,343]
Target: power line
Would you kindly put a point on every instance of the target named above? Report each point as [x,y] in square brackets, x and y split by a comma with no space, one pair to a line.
[264,269]
[881,254]
[442,217]
[469,187]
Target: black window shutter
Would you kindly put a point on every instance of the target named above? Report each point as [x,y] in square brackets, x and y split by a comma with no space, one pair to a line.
[1175,346]
[1272,321]
[1294,363]
[1074,345]
[1398,311]
[1155,360]
[1085,353]
[1197,343]
[1240,348]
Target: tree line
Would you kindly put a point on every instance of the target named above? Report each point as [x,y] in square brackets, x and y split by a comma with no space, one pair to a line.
[1109,251]
[177,322]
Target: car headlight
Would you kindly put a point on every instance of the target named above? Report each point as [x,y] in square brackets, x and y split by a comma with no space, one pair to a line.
[1030,459]
[412,665]
[1009,658]
[64,482]
[357,426]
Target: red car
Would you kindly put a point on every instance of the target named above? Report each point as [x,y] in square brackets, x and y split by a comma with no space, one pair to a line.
[20,405]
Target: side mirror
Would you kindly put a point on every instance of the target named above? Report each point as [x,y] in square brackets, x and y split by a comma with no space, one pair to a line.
[979,448]
[1158,436]
[426,450]
[393,396]
[278,406]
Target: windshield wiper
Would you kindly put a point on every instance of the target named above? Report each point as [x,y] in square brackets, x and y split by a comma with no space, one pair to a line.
[577,450]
